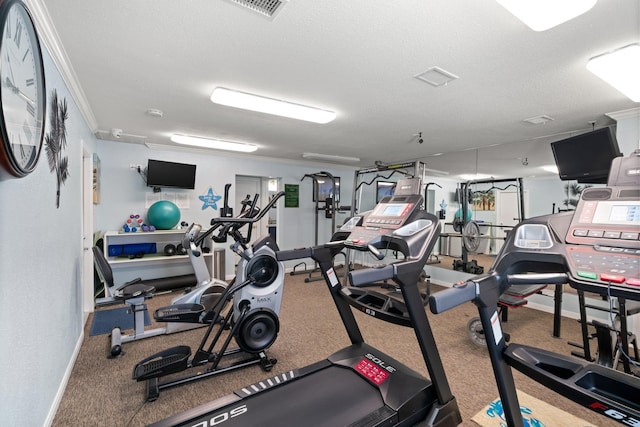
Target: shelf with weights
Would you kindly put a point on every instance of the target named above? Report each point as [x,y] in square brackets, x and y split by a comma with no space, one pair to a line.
[148,254]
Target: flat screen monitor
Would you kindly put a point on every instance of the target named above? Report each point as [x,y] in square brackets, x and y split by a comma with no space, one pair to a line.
[383,189]
[586,158]
[170,174]
[323,189]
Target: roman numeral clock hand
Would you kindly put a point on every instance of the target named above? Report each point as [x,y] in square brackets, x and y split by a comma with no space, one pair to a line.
[17,91]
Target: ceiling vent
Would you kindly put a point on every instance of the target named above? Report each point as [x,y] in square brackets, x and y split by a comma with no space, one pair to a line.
[266,8]
[436,76]
[539,120]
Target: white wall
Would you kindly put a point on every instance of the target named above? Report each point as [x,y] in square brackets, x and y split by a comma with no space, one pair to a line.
[123,191]
[41,316]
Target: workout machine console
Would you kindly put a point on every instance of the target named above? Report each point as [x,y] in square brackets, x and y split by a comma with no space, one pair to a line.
[594,249]
[358,385]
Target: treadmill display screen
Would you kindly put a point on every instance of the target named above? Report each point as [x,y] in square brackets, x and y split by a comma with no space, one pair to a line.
[394,209]
[625,213]
[617,212]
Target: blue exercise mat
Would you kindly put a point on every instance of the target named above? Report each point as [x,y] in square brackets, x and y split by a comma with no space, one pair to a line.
[104,321]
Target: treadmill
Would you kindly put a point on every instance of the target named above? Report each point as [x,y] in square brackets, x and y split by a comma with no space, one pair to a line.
[358,385]
[595,249]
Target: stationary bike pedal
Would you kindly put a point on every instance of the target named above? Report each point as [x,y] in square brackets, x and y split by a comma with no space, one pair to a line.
[166,362]
[185,313]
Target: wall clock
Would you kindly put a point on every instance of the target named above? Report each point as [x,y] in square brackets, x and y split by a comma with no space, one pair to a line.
[22,90]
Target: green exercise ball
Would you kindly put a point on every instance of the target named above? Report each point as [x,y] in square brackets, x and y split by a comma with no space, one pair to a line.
[163,215]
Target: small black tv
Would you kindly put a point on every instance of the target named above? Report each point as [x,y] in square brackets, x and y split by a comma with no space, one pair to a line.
[383,189]
[170,174]
[587,157]
[322,190]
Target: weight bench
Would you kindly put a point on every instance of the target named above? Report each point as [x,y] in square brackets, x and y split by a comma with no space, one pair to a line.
[514,297]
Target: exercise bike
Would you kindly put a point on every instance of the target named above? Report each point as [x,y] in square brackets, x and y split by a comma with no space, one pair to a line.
[251,320]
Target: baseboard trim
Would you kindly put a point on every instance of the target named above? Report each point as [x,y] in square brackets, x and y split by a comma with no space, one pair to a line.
[65,380]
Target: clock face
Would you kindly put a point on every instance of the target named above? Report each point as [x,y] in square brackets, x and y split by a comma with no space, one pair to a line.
[22,92]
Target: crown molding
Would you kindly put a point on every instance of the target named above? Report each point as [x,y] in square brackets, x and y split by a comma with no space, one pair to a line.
[49,37]
[624,114]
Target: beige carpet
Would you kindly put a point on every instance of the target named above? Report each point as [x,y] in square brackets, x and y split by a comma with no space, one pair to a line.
[100,391]
[535,412]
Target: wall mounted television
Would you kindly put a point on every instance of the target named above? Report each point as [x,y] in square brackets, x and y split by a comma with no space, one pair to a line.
[383,189]
[324,189]
[587,157]
[169,174]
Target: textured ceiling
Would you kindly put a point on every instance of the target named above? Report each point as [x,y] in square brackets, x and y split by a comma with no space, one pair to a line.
[356,57]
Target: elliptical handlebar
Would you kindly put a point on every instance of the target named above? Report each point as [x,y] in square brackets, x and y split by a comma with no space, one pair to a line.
[221,221]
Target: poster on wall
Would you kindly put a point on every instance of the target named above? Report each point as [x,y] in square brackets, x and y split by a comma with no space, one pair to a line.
[96,179]
[484,201]
[291,195]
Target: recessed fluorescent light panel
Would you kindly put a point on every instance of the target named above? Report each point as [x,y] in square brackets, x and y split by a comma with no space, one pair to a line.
[330,158]
[436,76]
[247,101]
[621,69]
[215,144]
[474,177]
[540,15]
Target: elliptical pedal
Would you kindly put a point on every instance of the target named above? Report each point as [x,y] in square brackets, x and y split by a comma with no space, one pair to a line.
[169,361]
[186,313]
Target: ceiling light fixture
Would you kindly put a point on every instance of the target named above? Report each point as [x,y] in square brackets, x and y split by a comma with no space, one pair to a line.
[247,101]
[540,15]
[550,168]
[330,158]
[475,177]
[216,144]
[620,68]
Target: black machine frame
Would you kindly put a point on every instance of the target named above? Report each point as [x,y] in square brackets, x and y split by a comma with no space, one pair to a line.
[406,397]
[550,250]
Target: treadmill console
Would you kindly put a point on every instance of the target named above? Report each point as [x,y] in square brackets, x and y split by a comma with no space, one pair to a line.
[388,215]
[601,240]
[604,234]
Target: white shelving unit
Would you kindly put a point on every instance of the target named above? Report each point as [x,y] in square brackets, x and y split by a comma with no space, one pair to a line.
[150,266]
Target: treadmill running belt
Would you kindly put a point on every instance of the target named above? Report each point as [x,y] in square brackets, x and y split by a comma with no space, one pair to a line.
[331,397]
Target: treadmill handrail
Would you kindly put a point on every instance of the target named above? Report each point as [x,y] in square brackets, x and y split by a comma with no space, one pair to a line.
[371,275]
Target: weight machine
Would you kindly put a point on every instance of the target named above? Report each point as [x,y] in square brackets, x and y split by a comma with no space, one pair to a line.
[469,230]
[329,205]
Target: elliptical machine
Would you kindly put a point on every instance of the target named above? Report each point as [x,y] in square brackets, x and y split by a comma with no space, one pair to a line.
[207,291]
[252,320]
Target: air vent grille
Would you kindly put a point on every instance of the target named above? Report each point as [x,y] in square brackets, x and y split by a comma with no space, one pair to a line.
[268,8]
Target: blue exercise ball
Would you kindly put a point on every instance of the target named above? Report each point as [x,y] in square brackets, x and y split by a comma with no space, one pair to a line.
[163,215]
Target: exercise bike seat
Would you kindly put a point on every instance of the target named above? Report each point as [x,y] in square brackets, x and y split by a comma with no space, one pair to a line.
[134,289]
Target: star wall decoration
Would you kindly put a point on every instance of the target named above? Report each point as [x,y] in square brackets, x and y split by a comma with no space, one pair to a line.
[209,199]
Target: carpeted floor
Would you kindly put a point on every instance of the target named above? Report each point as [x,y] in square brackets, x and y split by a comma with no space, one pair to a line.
[101,392]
